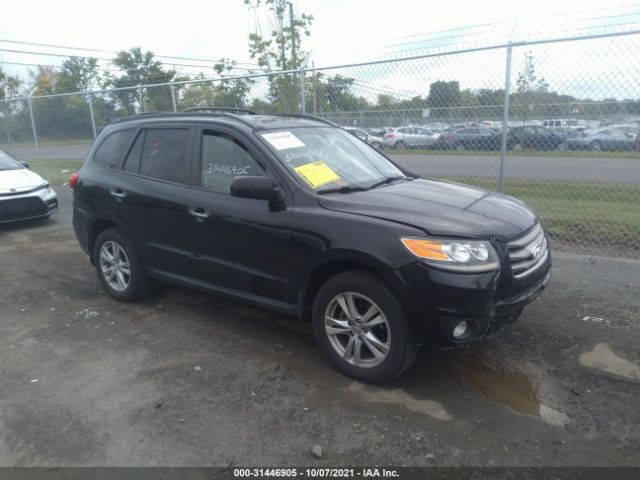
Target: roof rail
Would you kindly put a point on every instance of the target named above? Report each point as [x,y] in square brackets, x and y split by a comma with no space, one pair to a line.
[175,114]
[308,117]
[220,109]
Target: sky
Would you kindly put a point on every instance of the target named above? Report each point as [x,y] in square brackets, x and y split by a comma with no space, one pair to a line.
[343,31]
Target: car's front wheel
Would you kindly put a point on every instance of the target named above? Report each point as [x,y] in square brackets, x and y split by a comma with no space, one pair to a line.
[361,327]
[119,268]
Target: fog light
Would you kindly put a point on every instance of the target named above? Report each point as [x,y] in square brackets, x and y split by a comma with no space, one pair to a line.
[460,329]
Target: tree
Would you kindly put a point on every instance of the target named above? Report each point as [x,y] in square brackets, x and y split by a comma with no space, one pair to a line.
[527,80]
[10,112]
[442,97]
[78,75]
[140,68]
[284,49]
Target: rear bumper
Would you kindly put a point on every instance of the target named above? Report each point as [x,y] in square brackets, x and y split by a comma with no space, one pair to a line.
[438,301]
[28,206]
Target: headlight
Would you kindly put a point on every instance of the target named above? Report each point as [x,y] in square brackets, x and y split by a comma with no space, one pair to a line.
[457,255]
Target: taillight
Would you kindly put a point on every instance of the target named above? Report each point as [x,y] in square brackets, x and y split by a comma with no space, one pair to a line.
[448,136]
[73,180]
[389,135]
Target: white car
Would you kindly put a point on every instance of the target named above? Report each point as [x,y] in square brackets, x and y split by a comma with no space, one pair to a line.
[24,194]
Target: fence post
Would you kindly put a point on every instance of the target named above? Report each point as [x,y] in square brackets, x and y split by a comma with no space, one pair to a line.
[303,100]
[93,118]
[173,93]
[505,117]
[33,122]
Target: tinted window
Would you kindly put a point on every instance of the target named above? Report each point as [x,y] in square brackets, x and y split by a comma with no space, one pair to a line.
[163,154]
[223,159]
[110,150]
[132,163]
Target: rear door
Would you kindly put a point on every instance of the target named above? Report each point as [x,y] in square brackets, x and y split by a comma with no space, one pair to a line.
[240,245]
[152,193]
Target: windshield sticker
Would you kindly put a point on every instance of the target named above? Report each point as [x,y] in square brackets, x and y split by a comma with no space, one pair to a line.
[283,140]
[317,174]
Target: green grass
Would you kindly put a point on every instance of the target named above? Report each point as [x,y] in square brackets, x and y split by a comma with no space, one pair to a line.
[56,172]
[579,213]
[510,153]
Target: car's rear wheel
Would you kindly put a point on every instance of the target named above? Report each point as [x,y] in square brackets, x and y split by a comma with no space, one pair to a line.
[361,327]
[461,147]
[516,146]
[119,268]
[596,146]
[563,146]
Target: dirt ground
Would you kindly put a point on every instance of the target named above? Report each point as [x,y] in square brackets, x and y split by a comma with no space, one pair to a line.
[185,378]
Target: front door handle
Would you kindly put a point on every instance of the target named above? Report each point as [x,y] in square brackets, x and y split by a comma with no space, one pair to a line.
[198,212]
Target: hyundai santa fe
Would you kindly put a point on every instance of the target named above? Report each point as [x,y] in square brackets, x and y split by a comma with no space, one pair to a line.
[294,214]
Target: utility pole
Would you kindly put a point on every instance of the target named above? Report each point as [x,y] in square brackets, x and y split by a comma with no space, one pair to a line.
[293,38]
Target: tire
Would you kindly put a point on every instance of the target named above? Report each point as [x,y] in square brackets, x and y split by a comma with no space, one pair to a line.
[461,147]
[400,145]
[390,328]
[596,146]
[563,146]
[123,286]
[516,146]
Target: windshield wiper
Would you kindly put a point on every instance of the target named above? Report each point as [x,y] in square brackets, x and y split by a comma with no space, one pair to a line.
[344,189]
[387,180]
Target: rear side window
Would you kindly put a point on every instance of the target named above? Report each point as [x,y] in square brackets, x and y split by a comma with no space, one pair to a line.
[163,154]
[110,151]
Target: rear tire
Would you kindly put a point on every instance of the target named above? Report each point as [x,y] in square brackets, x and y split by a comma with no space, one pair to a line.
[376,327]
[119,268]
[596,146]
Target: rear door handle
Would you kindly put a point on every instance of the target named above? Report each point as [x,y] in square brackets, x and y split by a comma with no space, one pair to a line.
[198,212]
[118,193]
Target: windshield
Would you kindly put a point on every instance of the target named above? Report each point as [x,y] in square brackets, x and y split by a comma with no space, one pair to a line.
[8,163]
[329,159]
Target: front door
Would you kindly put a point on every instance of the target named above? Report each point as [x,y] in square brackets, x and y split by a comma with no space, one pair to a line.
[240,245]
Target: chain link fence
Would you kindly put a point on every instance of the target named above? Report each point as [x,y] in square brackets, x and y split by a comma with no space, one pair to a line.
[553,122]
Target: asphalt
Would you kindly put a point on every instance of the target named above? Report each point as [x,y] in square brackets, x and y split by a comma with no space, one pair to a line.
[186,378]
[589,169]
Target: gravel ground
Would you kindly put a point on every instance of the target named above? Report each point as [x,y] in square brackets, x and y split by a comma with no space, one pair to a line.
[185,378]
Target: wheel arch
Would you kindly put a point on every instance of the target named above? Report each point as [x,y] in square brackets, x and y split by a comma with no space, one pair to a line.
[321,272]
[98,226]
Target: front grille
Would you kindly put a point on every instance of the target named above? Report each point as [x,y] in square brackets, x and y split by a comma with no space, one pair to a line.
[18,208]
[528,252]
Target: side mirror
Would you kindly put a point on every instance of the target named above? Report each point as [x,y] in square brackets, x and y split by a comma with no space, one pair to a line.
[25,164]
[260,188]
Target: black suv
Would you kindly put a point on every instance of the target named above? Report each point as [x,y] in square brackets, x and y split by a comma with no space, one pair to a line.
[297,215]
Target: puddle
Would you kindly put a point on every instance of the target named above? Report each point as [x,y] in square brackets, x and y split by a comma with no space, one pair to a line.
[511,390]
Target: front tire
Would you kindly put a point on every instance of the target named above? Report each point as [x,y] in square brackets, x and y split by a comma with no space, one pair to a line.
[596,146]
[119,268]
[361,328]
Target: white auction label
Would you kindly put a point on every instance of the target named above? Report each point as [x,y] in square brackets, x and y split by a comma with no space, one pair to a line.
[283,140]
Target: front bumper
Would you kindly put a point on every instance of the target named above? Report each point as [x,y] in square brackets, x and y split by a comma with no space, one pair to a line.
[27,206]
[437,301]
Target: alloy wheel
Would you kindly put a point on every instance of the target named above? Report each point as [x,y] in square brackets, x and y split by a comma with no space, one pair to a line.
[357,329]
[115,266]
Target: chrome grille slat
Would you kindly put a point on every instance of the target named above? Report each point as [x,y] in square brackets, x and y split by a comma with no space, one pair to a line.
[520,252]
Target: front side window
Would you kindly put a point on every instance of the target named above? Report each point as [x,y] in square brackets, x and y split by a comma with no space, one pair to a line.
[223,159]
[110,150]
[163,154]
[329,158]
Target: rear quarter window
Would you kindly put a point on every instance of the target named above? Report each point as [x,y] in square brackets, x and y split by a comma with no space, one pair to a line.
[111,149]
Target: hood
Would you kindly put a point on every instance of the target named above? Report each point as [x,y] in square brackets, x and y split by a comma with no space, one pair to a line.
[439,208]
[21,180]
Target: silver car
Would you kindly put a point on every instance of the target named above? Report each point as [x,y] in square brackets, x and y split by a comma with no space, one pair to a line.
[410,137]
[605,139]
[24,194]
[373,140]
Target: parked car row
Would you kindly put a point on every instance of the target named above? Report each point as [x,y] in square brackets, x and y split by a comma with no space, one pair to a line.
[527,137]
